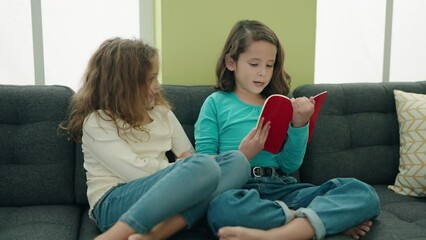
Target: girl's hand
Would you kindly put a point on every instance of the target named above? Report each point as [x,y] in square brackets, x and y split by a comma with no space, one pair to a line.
[303,108]
[184,155]
[253,143]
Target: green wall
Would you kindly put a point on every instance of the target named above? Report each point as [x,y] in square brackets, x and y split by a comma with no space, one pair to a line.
[193,32]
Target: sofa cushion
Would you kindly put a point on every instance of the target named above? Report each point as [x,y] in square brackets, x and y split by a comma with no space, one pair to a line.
[88,229]
[80,186]
[401,217]
[35,160]
[49,222]
[411,109]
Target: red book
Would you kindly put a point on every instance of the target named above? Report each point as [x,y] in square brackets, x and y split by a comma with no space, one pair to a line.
[278,110]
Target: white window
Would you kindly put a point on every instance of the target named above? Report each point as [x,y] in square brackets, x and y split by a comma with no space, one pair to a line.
[16,43]
[349,41]
[408,54]
[51,41]
[64,35]
[370,41]
[73,30]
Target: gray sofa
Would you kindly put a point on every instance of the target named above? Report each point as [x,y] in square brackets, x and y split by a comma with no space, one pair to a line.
[42,180]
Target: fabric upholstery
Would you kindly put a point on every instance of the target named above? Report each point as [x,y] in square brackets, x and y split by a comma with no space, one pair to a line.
[35,161]
[356,133]
[80,186]
[402,217]
[43,222]
[186,102]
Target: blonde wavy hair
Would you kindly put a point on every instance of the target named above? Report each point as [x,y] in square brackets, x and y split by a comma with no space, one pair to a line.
[116,81]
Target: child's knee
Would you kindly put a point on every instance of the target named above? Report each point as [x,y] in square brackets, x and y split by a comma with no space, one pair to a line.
[205,167]
[371,197]
[241,163]
[208,163]
[224,210]
[237,165]
[238,158]
[368,193]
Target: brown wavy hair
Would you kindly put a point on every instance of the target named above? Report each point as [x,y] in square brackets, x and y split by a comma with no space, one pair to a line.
[116,81]
[242,34]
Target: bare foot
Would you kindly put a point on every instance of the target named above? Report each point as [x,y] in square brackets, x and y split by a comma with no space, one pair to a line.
[136,236]
[359,231]
[242,233]
[298,228]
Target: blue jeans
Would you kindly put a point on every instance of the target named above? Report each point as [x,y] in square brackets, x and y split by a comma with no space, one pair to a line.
[185,187]
[265,203]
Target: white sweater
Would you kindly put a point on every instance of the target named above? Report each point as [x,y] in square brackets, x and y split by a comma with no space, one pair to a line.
[109,160]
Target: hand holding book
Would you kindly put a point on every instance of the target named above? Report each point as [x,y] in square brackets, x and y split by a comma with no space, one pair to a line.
[254,142]
[278,110]
[303,108]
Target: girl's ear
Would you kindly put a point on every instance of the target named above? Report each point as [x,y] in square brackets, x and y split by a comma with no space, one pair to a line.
[230,63]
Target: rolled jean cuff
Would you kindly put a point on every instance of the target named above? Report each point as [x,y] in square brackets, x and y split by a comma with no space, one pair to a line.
[129,220]
[189,219]
[288,215]
[315,221]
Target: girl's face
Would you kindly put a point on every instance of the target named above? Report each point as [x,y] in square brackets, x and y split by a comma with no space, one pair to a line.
[254,67]
[153,84]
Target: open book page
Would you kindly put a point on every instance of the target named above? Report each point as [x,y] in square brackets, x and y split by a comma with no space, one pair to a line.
[278,110]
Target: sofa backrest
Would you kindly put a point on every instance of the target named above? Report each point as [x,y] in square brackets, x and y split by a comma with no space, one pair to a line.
[186,102]
[356,134]
[80,186]
[35,160]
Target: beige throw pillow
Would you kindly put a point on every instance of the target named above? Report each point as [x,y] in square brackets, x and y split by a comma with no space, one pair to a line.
[411,111]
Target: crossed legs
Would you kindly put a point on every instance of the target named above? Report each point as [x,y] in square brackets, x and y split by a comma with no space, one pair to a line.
[321,210]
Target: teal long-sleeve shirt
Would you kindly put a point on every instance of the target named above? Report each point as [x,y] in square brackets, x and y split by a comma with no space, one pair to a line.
[225,120]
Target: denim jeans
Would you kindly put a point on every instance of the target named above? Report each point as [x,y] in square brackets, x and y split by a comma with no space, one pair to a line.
[185,187]
[264,203]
